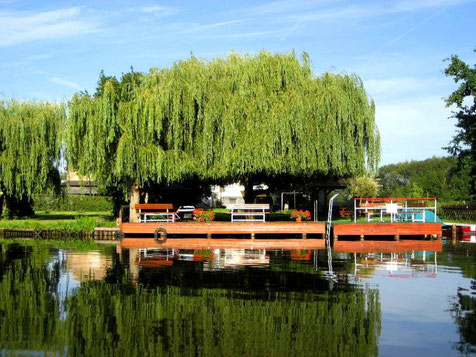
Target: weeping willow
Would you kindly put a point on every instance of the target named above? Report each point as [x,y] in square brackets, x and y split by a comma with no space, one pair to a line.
[227,118]
[29,146]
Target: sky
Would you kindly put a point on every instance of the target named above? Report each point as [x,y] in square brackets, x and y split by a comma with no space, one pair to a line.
[50,50]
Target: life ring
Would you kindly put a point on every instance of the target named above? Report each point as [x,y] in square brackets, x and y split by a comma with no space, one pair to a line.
[119,235]
[157,235]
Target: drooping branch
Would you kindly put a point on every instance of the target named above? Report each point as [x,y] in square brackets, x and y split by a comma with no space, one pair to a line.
[228,118]
[29,146]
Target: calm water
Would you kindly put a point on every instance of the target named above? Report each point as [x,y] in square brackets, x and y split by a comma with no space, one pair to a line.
[236,302]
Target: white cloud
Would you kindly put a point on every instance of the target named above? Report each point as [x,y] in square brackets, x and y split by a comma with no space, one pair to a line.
[19,27]
[64,82]
[396,87]
[195,27]
[356,13]
[241,35]
[414,128]
[157,10]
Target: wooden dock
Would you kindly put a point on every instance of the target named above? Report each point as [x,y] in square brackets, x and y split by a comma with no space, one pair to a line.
[190,229]
[393,230]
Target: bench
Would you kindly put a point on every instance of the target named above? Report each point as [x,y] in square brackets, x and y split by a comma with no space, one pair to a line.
[163,212]
[250,212]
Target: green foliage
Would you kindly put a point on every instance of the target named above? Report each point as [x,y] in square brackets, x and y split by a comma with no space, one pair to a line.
[435,177]
[77,203]
[361,187]
[228,118]
[29,147]
[463,144]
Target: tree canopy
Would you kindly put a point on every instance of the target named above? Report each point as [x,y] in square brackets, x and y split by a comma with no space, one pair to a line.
[435,177]
[463,144]
[29,149]
[225,119]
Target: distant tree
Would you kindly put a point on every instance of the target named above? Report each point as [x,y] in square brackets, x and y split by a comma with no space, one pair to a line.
[29,152]
[463,144]
[435,177]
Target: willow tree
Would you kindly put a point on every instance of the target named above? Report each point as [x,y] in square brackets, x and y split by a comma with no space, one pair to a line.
[228,119]
[29,151]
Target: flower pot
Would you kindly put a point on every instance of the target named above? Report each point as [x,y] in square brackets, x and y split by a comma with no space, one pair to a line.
[299,219]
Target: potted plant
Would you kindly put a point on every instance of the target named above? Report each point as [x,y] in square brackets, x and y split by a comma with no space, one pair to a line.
[201,215]
[300,215]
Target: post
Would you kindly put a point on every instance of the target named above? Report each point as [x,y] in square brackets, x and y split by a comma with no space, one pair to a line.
[453,233]
[135,197]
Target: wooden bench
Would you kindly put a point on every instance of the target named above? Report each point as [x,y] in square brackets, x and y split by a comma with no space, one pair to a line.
[250,212]
[163,212]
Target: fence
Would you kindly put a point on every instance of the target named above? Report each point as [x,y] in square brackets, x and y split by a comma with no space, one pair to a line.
[458,212]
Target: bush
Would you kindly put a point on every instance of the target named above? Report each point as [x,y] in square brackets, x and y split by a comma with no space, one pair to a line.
[72,203]
[361,187]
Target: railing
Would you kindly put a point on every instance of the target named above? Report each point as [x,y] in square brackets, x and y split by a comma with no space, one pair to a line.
[328,233]
[406,208]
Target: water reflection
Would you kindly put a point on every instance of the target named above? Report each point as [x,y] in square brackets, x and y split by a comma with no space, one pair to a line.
[396,265]
[87,265]
[222,302]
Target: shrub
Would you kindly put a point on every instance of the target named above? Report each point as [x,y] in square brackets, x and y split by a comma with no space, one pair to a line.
[72,203]
[361,187]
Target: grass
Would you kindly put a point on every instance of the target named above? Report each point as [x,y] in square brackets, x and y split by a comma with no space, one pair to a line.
[67,220]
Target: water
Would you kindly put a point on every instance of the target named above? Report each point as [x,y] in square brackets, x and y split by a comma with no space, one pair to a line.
[235,302]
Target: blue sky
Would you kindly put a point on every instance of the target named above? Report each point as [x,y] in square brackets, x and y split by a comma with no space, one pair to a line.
[52,49]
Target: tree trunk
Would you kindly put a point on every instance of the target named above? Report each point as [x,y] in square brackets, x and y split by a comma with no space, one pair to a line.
[249,196]
[135,199]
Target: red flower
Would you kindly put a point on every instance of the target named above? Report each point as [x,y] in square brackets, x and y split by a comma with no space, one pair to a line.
[300,213]
[201,215]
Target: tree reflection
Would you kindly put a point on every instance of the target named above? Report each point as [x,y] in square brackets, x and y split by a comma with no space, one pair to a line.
[464,313]
[182,311]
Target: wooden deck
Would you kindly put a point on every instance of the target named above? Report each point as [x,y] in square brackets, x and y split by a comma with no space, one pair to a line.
[395,230]
[222,243]
[388,247]
[228,228]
